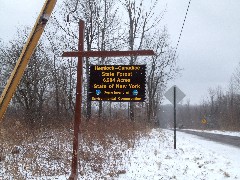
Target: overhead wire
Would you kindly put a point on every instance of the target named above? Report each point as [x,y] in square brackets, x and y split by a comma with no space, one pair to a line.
[179,38]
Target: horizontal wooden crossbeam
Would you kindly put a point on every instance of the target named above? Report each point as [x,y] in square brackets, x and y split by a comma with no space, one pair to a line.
[108,53]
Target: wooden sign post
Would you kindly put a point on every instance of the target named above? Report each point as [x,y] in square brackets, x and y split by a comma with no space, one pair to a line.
[80,54]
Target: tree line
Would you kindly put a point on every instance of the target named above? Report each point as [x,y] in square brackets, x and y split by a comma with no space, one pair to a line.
[219,110]
[47,88]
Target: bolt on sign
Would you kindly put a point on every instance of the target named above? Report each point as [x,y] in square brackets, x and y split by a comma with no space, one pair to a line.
[119,83]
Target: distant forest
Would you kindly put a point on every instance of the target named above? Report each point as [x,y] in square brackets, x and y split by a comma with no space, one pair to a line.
[220,109]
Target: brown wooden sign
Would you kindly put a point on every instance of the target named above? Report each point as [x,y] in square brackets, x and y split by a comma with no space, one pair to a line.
[119,83]
[80,54]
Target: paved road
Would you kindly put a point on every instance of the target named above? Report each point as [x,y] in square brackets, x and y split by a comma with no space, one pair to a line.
[225,139]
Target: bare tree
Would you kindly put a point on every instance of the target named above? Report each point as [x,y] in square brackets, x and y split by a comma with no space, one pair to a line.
[32,91]
[236,79]
[162,68]
[100,26]
[103,31]
[142,33]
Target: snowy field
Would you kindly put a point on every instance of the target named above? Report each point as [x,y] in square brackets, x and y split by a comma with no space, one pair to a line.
[153,158]
[194,158]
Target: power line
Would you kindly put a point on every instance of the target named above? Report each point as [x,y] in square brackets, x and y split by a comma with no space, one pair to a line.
[189,3]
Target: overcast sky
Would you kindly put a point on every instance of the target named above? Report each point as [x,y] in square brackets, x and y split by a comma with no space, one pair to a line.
[209,50]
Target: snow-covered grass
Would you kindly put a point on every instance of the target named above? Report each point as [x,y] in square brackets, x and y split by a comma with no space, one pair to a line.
[45,152]
[194,158]
[118,150]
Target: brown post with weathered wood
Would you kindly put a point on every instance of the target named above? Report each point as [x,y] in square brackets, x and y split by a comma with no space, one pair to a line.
[78,105]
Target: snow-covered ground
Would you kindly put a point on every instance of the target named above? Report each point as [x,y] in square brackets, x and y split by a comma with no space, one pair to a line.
[229,133]
[194,158]
[154,158]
